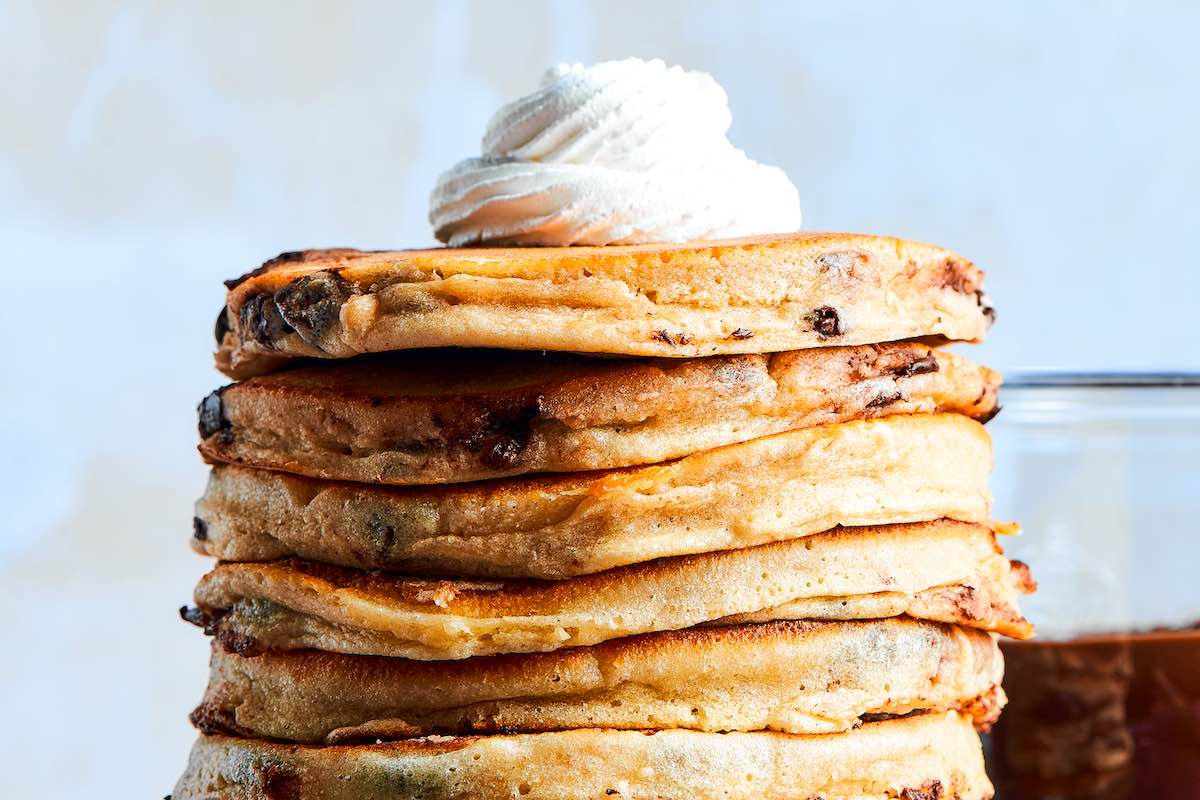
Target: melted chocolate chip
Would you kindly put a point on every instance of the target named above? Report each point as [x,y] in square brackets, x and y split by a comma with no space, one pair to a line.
[280,783]
[196,616]
[990,415]
[927,363]
[663,336]
[240,644]
[199,529]
[742,333]
[222,325]
[211,719]
[826,322]
[985,306]
[501,436]
[211,412]
[957,276]
[312,306]
[930,791]
[885,399]
[383,534]
[883,716]
[260,321]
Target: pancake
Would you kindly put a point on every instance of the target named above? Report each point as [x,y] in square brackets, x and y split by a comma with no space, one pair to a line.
[944,571]
[757,295]
[464,415]
[794,677]
[925,757]
[898,469]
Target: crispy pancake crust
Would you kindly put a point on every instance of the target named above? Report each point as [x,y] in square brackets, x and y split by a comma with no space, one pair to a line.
[794,677]
[755,295]
[945,571]
[422,418]
[916,758]
[778,487]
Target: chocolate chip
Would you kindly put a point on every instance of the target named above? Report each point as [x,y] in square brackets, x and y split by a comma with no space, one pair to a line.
[211,718]
[383,534]
[678,338]
[927,363]
[211,412]
[240,644]
[885,399]
[957,275]
[222,325]
[196,616]
[930,791]
[826,322]
[742,333]
[260,321]
[985,306]
[501,435]
[199,529]
[312,306]
[279,783]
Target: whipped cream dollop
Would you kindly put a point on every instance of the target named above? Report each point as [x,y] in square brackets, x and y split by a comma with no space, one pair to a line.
[616,153]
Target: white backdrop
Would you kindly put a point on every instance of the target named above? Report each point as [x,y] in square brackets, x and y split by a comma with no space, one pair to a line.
[150,149]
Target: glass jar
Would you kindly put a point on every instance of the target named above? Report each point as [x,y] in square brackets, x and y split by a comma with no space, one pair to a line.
[1103,473]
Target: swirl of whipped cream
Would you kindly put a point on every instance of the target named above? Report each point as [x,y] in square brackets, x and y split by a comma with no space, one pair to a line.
[617,153]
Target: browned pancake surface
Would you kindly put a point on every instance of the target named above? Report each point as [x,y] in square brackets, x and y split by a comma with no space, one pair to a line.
[432,417]
[795,677]
[914,758]
[762,294]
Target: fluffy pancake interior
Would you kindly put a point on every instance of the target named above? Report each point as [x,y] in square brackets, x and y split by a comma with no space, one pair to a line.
[422,418]
[777,487]
[795,677]
[290,604]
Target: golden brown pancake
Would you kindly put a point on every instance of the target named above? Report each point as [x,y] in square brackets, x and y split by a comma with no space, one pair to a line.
[463,415]
[756,295]
[898,469]
[944,571]
[913,758]
[794,677]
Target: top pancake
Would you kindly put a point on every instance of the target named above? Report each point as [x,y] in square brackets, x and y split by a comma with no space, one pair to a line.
[757,295]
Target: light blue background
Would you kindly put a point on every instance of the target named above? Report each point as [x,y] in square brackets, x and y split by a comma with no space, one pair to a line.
[148,150]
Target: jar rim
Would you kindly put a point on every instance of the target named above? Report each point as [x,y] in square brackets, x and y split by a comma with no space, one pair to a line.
[1054,379]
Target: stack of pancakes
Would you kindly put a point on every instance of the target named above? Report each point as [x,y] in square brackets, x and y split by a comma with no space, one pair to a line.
[749,558]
